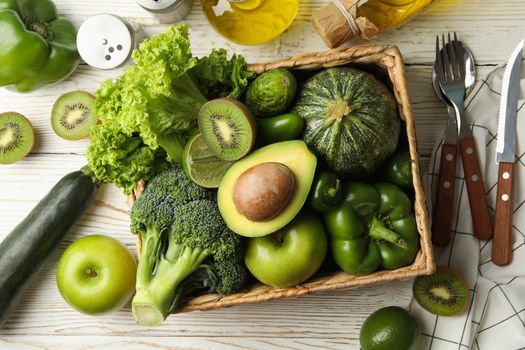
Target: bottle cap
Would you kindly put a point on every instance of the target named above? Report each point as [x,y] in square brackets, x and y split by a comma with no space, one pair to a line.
[105,41]
[168,11]
[159,6]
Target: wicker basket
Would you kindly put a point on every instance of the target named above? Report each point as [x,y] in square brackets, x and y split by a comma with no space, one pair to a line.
[385,59]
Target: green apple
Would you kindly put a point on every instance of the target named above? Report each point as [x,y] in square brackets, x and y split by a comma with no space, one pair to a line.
[289,256]
[96,275]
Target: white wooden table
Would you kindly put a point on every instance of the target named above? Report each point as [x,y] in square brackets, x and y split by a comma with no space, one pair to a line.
[325,321]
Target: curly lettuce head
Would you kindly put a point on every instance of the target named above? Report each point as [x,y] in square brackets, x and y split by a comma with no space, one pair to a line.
[155,98]
[120,159]
[150,111]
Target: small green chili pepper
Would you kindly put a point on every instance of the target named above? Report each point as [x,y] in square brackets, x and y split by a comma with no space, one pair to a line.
[280,128]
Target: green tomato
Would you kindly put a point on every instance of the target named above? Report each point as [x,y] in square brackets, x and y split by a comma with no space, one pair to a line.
[289,256]
[96,275]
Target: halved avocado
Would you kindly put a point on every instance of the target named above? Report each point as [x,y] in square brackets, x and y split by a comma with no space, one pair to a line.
[296,156]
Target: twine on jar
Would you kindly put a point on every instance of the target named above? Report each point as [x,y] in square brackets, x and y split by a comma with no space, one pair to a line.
[347,15]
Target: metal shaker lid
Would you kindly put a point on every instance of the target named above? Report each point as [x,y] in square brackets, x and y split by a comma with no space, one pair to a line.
[159,5]
[105,41]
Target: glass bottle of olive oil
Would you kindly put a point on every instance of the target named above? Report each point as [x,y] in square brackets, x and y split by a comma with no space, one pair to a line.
[387,14]
[341,20]
[250,22]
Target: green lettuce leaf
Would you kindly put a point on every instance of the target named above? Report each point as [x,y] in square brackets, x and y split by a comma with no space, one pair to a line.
[120,159]
[218,76]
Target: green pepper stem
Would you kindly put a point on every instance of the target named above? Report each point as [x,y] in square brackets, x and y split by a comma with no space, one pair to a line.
[378,230]
[332,190]
[40,27]
[406,168]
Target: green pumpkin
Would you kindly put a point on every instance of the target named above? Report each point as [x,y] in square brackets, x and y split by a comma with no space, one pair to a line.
[351,120]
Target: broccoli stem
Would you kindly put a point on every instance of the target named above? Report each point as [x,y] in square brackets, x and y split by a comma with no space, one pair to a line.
[154,298]
[151,246]
[204,278]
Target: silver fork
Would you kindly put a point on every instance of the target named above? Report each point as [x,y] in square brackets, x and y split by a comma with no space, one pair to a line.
[452,74]
[444,201]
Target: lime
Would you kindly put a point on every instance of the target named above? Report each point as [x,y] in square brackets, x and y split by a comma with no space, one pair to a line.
[201,165]
[389,328]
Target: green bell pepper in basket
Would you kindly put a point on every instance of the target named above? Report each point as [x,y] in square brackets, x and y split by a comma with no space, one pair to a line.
[326,191]
[36,47]
[373,227]
[398,170]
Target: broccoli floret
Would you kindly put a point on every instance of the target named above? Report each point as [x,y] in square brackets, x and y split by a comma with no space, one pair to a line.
[165,192]
[226,261]
[186,246]
[220,276]
[230,267]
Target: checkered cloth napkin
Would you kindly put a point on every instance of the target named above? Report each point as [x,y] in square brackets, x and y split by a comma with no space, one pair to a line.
[495,316]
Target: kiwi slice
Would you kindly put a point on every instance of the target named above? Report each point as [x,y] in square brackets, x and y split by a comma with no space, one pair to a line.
[72,116]
[16,137]
[443,293]
[228,128]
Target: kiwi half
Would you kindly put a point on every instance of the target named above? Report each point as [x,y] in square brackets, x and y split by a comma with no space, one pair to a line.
[228,128]
[443,293]
[16,137]
[72,116]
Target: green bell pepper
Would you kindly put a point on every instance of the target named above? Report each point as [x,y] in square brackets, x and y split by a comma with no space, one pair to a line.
[398,170]
[326,192]
[37,47]
[373,227]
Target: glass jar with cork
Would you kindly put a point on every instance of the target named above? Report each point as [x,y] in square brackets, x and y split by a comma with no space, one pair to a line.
[341,20]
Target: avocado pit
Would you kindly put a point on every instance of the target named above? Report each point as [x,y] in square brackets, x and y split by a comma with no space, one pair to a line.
[263,191]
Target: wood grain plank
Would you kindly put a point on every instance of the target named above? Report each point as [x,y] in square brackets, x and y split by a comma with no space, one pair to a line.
[173,343]
[314,316]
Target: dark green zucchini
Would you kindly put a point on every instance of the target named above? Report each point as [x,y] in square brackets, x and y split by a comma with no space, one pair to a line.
[26,249]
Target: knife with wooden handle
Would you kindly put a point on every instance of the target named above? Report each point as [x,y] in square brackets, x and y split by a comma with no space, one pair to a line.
[505,157]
